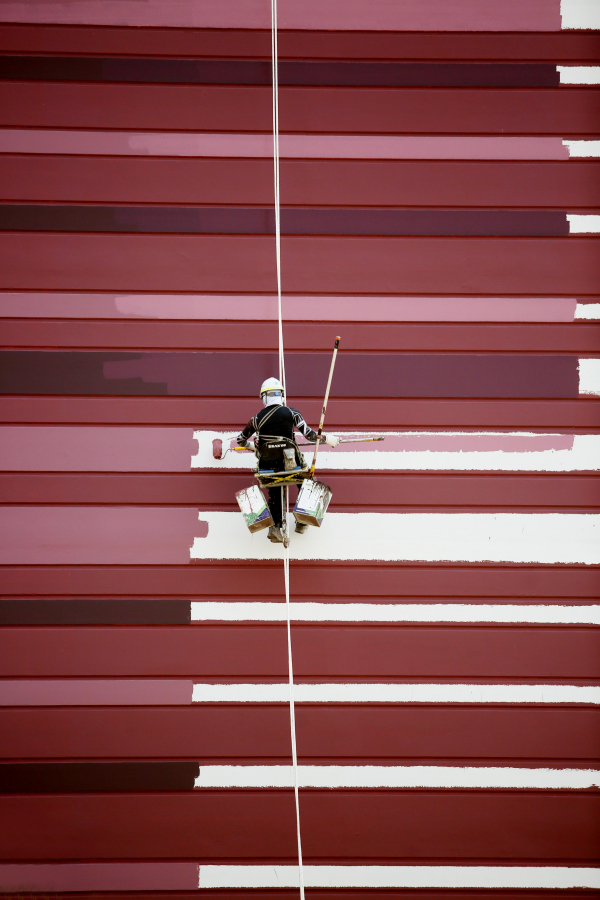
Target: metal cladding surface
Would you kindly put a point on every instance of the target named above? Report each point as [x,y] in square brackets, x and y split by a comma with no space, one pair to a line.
[440,210]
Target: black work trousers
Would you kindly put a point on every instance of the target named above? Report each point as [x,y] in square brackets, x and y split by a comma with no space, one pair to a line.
[274,502]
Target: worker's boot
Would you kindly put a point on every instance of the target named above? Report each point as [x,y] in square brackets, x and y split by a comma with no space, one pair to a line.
[275,534]
[301,527]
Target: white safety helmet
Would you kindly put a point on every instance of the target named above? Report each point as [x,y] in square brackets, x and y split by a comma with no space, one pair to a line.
[271,392]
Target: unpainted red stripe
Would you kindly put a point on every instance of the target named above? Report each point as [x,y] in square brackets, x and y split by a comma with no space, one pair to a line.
[98,535]
[324,651]
[563,46]
[372,414]
[572,185]
[351,492]
[391,734]
[235,309]
[263,581]
[337,826]
[564,266]
[98,449]
[326,110]
[148,876]
[95,692]
[578,338]
[430,15]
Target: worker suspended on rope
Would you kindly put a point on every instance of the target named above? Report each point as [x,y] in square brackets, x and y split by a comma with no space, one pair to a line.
[274,428]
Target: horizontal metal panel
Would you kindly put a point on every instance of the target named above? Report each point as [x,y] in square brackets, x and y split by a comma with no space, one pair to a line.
[579,338]
[427,265]
[256,43]
[432,15]
[351,491]
[235,308]
[332,732]
[256,220]
[340,110]
[144,776]
[226,374]
[572,184]
[337,825]
[263,580]
[530,415]
[320,652]
[159,70]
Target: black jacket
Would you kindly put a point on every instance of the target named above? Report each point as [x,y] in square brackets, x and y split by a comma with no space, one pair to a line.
[281,421]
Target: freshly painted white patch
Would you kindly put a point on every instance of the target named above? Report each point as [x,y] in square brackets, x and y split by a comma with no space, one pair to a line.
[582,456]
[583,224]
[587,311]
[433,537]
[365,692]
[257,611]
[580,14]
[498,877]
[589,376]
[579,74]
[397,777]
[583,148]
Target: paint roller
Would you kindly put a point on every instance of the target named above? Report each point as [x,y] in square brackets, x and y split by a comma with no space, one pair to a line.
[219,453]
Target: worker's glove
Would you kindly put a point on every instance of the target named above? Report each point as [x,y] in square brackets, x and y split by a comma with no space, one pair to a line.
[331,439]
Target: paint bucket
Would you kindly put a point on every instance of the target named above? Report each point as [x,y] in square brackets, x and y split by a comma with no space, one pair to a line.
[311,505]
[254,508]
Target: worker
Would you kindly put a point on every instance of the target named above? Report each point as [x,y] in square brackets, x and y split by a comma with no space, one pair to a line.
[277,421]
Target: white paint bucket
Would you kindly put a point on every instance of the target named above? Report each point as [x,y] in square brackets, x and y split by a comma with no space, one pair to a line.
[311,505]
[254,508]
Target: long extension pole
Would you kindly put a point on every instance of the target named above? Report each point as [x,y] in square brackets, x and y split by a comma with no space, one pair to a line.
[320,431]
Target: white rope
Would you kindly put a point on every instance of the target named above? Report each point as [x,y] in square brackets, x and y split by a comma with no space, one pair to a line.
[275,78]
[285,509]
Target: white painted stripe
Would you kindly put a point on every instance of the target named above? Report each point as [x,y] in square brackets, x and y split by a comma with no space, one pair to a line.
[234,611]
[455,877]
[365,692]
[587,311]
[582,456]
[431,537]
[589,376]
[583,224]
[580,14]
[583,148]
[579,74]
[397,777]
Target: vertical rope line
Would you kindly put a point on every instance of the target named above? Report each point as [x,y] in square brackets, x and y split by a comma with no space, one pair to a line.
[275,78]
[286,572]
[286,558]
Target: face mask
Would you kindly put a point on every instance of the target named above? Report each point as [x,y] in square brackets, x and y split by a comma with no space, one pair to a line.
[273,398]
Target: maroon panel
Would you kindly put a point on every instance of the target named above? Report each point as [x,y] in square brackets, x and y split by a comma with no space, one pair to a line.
[191,42]
[321,652]
[312,264]
[316,73]
[99,535]
[53,217]
[579,337]
[562,111]
[390,734]
[226,374]
[575,415]
[335,580]
[351,491]
[336,825]
[572,185]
